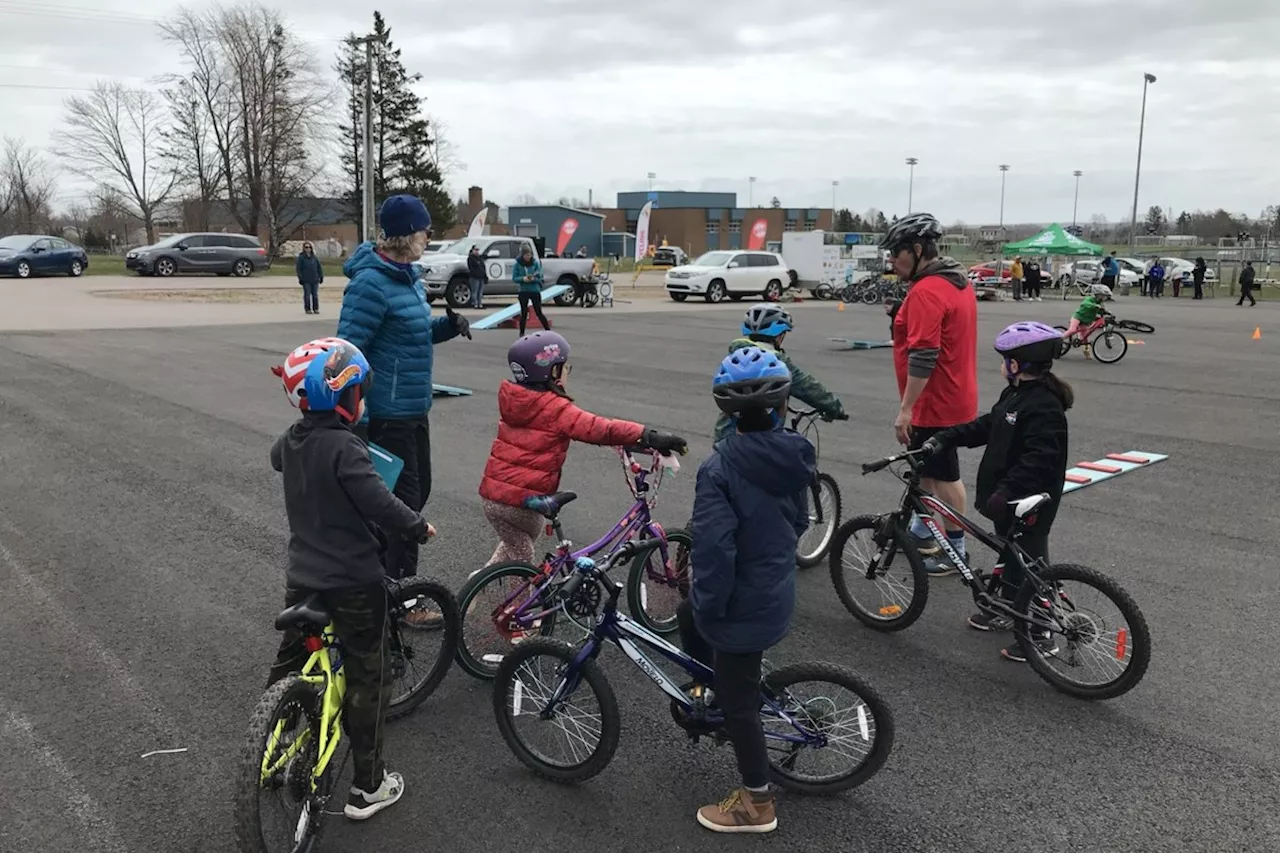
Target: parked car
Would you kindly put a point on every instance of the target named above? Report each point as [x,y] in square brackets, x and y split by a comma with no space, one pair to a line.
[25,255]
[1090,272]
[669,256]
[985,273]
[435,247]
[734,274]
[224,254]
[445,273]
[1174,267]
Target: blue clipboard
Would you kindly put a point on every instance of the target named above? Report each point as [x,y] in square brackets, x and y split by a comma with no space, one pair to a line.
[387,464]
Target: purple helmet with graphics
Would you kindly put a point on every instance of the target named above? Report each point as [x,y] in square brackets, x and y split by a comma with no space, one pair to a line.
[1029,342]
[532,357]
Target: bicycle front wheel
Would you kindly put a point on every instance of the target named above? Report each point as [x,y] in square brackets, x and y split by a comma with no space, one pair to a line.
[1135,326]
[1109,346]
[824,516]
[654,590]
[420,659]
[895,594]
[491,625]
[276,808]
[1100,645]
[824,291]
[570,741]
[827,729]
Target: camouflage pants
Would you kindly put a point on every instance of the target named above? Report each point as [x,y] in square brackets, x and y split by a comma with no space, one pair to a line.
[359,617]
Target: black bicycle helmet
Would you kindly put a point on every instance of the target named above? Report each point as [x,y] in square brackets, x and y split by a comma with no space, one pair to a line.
[913,228]
[751,378]
[768,320]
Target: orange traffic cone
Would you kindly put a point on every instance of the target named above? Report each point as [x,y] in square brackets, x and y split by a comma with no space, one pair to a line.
[1257,333]
[840,306]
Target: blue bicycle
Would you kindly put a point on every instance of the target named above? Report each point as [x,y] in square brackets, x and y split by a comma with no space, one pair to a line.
[815,713]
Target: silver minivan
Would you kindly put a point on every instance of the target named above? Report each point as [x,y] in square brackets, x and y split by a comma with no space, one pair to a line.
[184,254]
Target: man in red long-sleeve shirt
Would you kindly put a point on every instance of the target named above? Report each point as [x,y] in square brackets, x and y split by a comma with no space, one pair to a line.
[935,348]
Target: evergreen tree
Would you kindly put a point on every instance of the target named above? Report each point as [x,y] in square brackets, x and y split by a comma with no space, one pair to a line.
[402,157]
[844,220]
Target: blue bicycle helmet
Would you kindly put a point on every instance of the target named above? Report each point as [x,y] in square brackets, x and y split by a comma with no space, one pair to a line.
[751,378]
[768,320]
[337,380]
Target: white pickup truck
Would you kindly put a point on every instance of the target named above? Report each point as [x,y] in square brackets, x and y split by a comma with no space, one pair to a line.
[445,273]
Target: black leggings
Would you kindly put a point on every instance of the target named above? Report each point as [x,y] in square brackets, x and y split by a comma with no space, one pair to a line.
[737,694]
[1033,287]
[534,299]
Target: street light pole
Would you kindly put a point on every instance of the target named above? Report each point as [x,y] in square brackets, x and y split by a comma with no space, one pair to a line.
[367,229]
[751,191]
[650,176]
[834,184]
[1075,206]
[1147,80]
[911,182]
[1004,169]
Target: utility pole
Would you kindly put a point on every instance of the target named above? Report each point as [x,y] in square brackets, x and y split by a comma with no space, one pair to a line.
[751,191]
[1075,207]
[367,229]
[911,181]
[1147,80]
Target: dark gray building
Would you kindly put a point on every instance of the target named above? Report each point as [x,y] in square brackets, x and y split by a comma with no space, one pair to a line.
[676,198]
[565,229]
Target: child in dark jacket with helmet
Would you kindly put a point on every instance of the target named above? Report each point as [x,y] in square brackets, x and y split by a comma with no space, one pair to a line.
[538,420]
[749,509]
[1025,435]
[336,502]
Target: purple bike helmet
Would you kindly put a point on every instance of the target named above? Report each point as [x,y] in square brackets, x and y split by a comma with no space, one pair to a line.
[1029,343]
[532,357]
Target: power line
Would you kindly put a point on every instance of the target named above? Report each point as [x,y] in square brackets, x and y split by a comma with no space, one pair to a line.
[49,88]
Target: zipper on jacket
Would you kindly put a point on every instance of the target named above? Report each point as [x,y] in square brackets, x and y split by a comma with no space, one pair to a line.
[395,378]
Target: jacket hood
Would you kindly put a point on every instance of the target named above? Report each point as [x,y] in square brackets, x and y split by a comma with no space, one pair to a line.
[367,258]
[948,268]
[520,406]
[780,462]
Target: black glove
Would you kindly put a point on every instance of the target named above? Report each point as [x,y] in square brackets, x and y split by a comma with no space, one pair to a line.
[997,509]
[461,324]
[664,442]
[933,445]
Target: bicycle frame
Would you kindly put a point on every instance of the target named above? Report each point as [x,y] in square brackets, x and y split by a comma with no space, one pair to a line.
[319,671]
[613,627]
[635,522]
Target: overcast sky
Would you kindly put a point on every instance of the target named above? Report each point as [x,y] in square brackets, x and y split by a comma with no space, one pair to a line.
[555,97]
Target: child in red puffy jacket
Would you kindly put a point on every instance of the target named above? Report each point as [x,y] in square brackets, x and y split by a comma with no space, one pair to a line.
[539,420]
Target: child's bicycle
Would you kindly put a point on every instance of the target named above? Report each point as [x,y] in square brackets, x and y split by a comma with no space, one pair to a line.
[1104,336]
[506,603]
[287,771]
[824,499]
[1107,632]
[815,712]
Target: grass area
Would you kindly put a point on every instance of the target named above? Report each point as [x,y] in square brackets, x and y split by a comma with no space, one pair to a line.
[111,265]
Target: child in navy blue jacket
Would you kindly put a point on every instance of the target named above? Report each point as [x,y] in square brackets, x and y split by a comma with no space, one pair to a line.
[749,508]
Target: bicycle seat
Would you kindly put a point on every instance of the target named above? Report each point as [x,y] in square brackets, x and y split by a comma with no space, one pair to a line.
[1026,506]
[549,505]
[308,613]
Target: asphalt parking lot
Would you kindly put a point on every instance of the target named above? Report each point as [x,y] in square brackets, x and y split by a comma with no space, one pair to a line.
[142,540]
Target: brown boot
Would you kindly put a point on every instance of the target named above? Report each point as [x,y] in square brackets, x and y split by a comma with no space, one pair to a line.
[741,811]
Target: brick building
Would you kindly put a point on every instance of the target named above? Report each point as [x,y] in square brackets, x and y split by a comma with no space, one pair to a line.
[466,212]
[703,221]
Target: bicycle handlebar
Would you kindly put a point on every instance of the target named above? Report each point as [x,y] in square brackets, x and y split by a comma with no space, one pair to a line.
[588,568]
[911,457]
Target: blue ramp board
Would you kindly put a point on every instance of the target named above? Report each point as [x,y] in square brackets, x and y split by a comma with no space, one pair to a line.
[449,391]
[387,464]
[1113,465]
[491,321]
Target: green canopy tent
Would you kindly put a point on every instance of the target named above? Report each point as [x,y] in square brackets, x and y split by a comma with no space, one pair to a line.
[1054,241]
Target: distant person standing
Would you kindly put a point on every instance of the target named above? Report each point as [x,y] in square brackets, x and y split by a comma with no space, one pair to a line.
[1247,276]
[1033,282]
[1155,285]
[1110,271]
[527,273]
[1197,276]
[310,276]
[1146,275]
[1015,278]
[476,276]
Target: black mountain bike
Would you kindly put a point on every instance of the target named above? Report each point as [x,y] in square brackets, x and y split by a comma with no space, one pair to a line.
[1094,624]
[824,499]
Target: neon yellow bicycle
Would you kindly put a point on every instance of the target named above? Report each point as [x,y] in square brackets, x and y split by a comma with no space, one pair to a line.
[287,766]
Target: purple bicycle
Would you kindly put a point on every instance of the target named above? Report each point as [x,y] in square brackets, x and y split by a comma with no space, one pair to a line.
[506,603]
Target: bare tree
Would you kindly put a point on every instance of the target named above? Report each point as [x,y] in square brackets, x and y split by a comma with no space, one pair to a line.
[26,188]
[441,151]
[114,138]
[190,150]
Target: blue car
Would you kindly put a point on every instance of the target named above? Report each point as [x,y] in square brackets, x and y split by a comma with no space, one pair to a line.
[27,255]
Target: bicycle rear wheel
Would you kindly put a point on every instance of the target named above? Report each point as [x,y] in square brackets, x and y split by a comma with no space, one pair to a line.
[489,629]
[654,590]
[824,291]
[824,517]
[420,659]
[277,810]
[575,739]
[1065,346]
[1098,627]
[895,595]
[1135,326]
[871,294]
[824,715]
[1109,346]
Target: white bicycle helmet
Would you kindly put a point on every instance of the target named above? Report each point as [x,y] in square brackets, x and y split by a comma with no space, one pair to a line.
[1100,290]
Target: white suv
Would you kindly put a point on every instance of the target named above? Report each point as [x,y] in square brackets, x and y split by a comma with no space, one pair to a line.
[730,273]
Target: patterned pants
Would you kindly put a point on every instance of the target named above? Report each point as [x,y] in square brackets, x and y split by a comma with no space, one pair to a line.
[517,528]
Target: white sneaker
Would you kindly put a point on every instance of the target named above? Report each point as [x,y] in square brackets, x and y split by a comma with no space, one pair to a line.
[362,805]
